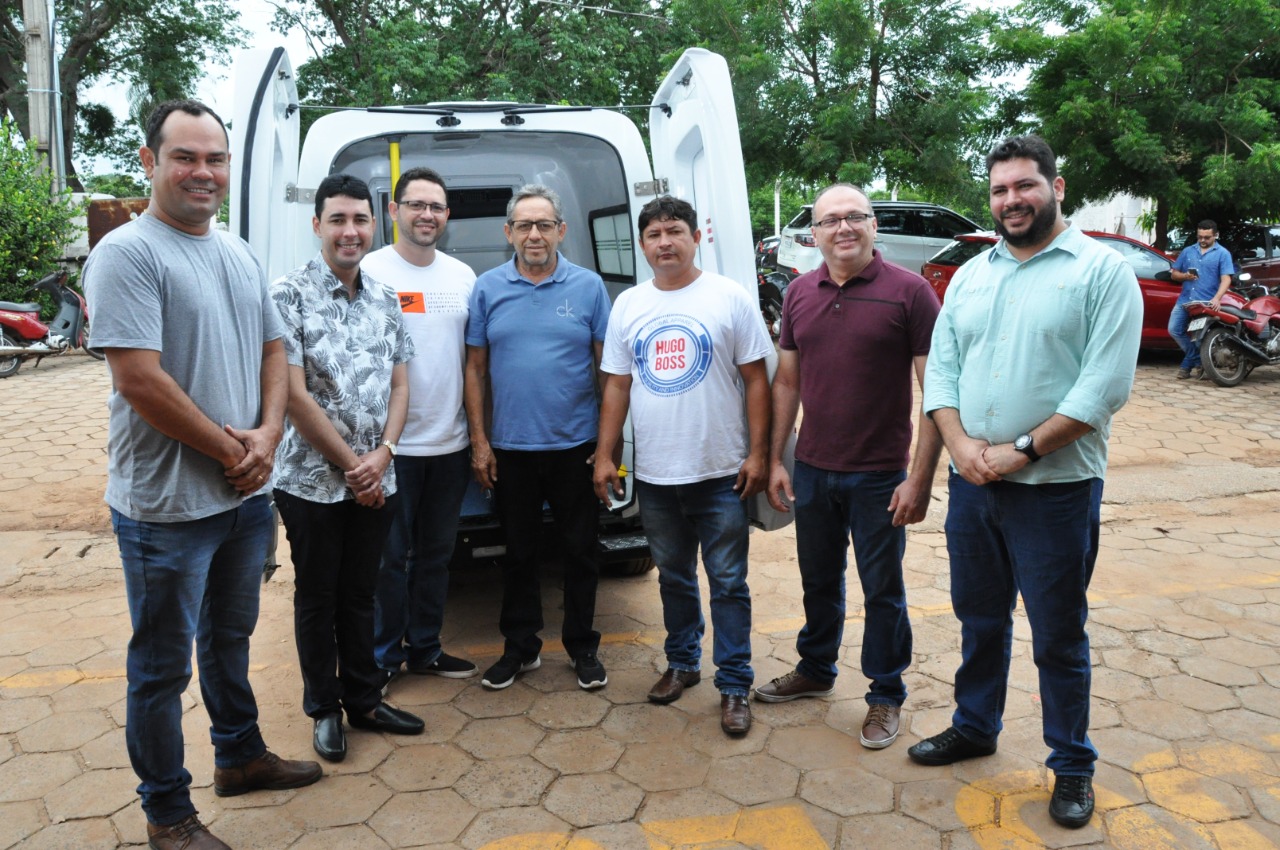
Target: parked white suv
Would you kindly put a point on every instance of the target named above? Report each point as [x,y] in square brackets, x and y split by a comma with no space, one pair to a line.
[907,233]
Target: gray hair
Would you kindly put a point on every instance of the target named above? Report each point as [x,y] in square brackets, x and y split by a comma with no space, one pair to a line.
[535,190]
[857,189]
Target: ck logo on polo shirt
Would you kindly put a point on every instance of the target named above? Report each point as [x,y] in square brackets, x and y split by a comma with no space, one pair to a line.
[565,310]
[673,354]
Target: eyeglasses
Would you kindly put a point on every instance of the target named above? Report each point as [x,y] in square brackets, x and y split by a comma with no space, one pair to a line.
[423,206]
[834,222]
[544,227]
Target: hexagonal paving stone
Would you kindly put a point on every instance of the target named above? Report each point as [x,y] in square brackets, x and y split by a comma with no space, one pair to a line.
[353,837]
[424,767]
[753,779]
[97,793]
[18,820]
[1242,652]
[1195,796]
[1134,751]
[31,776]
[663,766]
[1167,643]
[934,802]
[338,801]
[18,714]
[509,702]
[1220,672]
[705,735]
[615,836]
[1118,686]
[427,817]
[1194,693]
[1248,727]
[61,732]
[1261,698]
[1166,720]
[691,803]
[503,783]
[847,791]
[1144,826]
[442,722]
[63,652]
[578,751]
[592,799]
[489,827]
[499,737]
[814,748]
[635,723]
[569,710]
[1242,766]
[1139,662]
[95,834]
[258,827]
[888,830]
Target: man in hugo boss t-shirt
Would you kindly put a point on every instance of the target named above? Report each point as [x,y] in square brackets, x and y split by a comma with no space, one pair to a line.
[685,352]
[852,332]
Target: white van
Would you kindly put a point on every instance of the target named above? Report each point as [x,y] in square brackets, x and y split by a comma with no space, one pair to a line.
[594,158]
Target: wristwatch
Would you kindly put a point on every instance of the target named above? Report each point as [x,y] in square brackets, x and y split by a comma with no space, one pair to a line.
[391,447]
[1025,444]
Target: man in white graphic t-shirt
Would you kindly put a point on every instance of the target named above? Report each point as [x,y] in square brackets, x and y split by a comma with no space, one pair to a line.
[431,459]
[685,352]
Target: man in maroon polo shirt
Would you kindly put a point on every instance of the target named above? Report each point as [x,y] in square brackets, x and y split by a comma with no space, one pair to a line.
[853,330]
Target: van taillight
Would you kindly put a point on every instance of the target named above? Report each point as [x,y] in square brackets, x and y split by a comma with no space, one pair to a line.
[805,240]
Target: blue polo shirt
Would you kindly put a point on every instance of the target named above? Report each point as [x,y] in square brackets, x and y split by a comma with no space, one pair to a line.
[1212,265]
[541,354]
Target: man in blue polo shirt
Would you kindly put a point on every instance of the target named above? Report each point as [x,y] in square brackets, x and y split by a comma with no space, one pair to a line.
[1204,270]
[534,338]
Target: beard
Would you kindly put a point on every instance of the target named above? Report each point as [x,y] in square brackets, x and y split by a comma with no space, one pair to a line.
[1040,227]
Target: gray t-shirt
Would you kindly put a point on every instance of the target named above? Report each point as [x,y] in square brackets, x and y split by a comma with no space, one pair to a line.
[202,302]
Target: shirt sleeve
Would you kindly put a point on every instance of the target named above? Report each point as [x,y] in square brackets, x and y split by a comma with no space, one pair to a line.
[1184,261]
[126,298]
[288,303]
[272,327]
[751,338]
[923,317]
[477,321]
[1110,357]
[600,315]
[618,357]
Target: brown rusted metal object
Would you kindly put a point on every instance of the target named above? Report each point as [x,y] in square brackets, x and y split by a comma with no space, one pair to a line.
[106,214]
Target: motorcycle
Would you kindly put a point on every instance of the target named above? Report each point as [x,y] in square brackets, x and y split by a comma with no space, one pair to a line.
[23,336]
[1243,333]
[772,287]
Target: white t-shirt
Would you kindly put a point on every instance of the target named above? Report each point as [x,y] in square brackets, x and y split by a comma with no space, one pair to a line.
[683,349]
[433,300]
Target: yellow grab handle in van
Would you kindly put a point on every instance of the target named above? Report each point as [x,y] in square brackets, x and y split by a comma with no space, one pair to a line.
[395,178]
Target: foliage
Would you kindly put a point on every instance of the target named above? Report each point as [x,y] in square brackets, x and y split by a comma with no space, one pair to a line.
[792,196]
[33,229]
[117,185]
[158,47]
[1173,100]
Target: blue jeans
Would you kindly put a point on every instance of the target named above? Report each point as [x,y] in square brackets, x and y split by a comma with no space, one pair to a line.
[677,518]
[1041,541]
[197,580]
[831,507]
[413,580]
[1178,320]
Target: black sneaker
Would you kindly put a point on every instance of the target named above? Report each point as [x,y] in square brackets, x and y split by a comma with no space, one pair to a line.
[388,676]
[504,672]
[591,673]
[1072,802]
[446,666]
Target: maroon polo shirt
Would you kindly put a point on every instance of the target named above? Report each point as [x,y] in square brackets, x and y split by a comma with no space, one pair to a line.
[856,343]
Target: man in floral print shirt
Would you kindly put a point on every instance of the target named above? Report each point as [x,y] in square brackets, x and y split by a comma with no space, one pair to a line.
[348,395]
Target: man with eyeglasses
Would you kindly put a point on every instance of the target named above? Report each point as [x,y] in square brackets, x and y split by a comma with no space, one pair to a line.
[853,331]
[534,339]
[431,460]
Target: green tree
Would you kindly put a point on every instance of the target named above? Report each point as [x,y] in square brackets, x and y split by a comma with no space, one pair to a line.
[117,185]
[1173,100]
[158,47]
[33,229]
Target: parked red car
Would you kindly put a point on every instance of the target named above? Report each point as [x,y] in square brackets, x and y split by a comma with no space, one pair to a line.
[1159,293]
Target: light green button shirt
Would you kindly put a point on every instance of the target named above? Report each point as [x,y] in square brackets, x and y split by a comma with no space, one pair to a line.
[1017,342]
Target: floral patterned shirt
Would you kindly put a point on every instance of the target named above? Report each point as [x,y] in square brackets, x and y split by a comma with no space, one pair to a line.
[347,349]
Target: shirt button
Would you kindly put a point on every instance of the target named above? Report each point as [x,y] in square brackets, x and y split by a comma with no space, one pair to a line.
[996,375]
[1003,336]
[991,413]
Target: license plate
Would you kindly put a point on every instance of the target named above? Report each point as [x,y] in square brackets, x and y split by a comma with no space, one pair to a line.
[1197,324]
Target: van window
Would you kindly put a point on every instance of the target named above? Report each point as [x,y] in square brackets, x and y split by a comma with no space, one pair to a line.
[611,244]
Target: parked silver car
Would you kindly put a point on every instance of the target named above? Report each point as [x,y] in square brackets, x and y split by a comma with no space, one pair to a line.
[907,233]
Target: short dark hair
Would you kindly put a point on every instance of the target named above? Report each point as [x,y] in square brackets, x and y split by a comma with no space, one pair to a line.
[421,173]
[1208,224]
[194,108]
[342,184]
[667,208]
[1026,147]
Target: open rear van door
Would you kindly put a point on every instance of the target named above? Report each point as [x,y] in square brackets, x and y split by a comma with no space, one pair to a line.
[697,157]
[265,130]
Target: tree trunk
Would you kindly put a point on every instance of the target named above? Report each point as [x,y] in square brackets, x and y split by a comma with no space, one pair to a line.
[1162,224]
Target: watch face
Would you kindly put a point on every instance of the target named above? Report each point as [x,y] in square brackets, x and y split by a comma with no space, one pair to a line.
[1022,442]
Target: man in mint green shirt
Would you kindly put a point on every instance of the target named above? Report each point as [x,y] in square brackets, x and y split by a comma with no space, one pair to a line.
[1033,353]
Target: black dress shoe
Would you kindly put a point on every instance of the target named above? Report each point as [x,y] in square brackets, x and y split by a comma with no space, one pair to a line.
[389,719]
[947,748]
[329,739]
[672,685]
[1072,802]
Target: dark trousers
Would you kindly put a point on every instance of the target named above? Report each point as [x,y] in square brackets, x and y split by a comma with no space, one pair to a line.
[336,552]
[563,480]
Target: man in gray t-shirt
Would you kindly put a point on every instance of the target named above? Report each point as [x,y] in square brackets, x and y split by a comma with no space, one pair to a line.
[198,393]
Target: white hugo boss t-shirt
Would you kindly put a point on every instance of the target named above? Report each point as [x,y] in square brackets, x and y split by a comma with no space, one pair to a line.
[683,349]
[433,300]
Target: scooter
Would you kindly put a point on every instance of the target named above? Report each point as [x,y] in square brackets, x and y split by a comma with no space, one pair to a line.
[772,287]
[1243,333]
[23,336]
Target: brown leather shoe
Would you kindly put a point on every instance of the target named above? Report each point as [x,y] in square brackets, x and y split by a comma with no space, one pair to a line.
[880,728]
[735,714]
[793,685]
[186,834]
[268,772]
[672,685]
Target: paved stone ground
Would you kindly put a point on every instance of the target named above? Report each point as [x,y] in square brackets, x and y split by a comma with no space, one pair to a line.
[1186,646]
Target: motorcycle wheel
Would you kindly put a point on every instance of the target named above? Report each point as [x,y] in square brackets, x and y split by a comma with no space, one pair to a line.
[772,312]
[95,353]
[1225,365]
[9,365]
